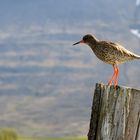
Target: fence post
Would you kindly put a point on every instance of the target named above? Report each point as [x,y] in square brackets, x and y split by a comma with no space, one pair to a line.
[115,113]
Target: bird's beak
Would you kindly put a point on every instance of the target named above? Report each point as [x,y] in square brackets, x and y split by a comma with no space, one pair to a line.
[82,41]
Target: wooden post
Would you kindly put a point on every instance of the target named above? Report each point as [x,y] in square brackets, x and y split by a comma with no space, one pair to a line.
[115,114]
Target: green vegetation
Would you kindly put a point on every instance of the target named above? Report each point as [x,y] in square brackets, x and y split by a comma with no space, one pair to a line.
[10,134]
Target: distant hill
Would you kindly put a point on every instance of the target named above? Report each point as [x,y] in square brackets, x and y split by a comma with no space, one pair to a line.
[46,84]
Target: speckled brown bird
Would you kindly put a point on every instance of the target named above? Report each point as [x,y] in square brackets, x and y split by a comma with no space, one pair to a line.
[110,53]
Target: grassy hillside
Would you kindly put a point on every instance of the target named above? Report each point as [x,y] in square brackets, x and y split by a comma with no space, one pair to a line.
[10,134]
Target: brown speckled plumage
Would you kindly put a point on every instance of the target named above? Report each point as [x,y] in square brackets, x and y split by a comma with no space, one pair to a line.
[109,52]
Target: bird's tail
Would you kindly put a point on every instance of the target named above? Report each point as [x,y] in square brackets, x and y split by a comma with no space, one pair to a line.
[137,56]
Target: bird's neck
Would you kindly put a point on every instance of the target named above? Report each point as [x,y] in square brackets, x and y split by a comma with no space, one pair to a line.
[93,43]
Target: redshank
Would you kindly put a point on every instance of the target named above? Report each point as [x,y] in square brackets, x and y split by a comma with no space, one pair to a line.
[110,53]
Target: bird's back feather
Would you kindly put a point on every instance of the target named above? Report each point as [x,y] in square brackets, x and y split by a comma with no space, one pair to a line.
[111,52]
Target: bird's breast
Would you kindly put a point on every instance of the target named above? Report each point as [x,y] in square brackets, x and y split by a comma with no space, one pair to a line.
[103,54]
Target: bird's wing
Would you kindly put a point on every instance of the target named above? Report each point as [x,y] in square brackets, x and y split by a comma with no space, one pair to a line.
[117,48]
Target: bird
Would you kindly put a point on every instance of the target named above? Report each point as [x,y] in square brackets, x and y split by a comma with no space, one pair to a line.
[109,52]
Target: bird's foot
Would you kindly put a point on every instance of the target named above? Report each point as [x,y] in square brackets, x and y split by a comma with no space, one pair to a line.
[109,83]
[115,82]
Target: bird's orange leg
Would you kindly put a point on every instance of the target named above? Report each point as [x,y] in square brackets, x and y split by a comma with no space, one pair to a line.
[116,75]
[113,76]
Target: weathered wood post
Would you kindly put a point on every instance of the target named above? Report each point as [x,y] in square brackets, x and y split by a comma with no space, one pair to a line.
[115,114]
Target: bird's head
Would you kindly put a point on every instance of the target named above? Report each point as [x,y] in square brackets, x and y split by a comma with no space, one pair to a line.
[87,39]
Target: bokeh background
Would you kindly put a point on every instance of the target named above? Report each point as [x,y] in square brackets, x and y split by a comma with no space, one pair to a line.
[46,84]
